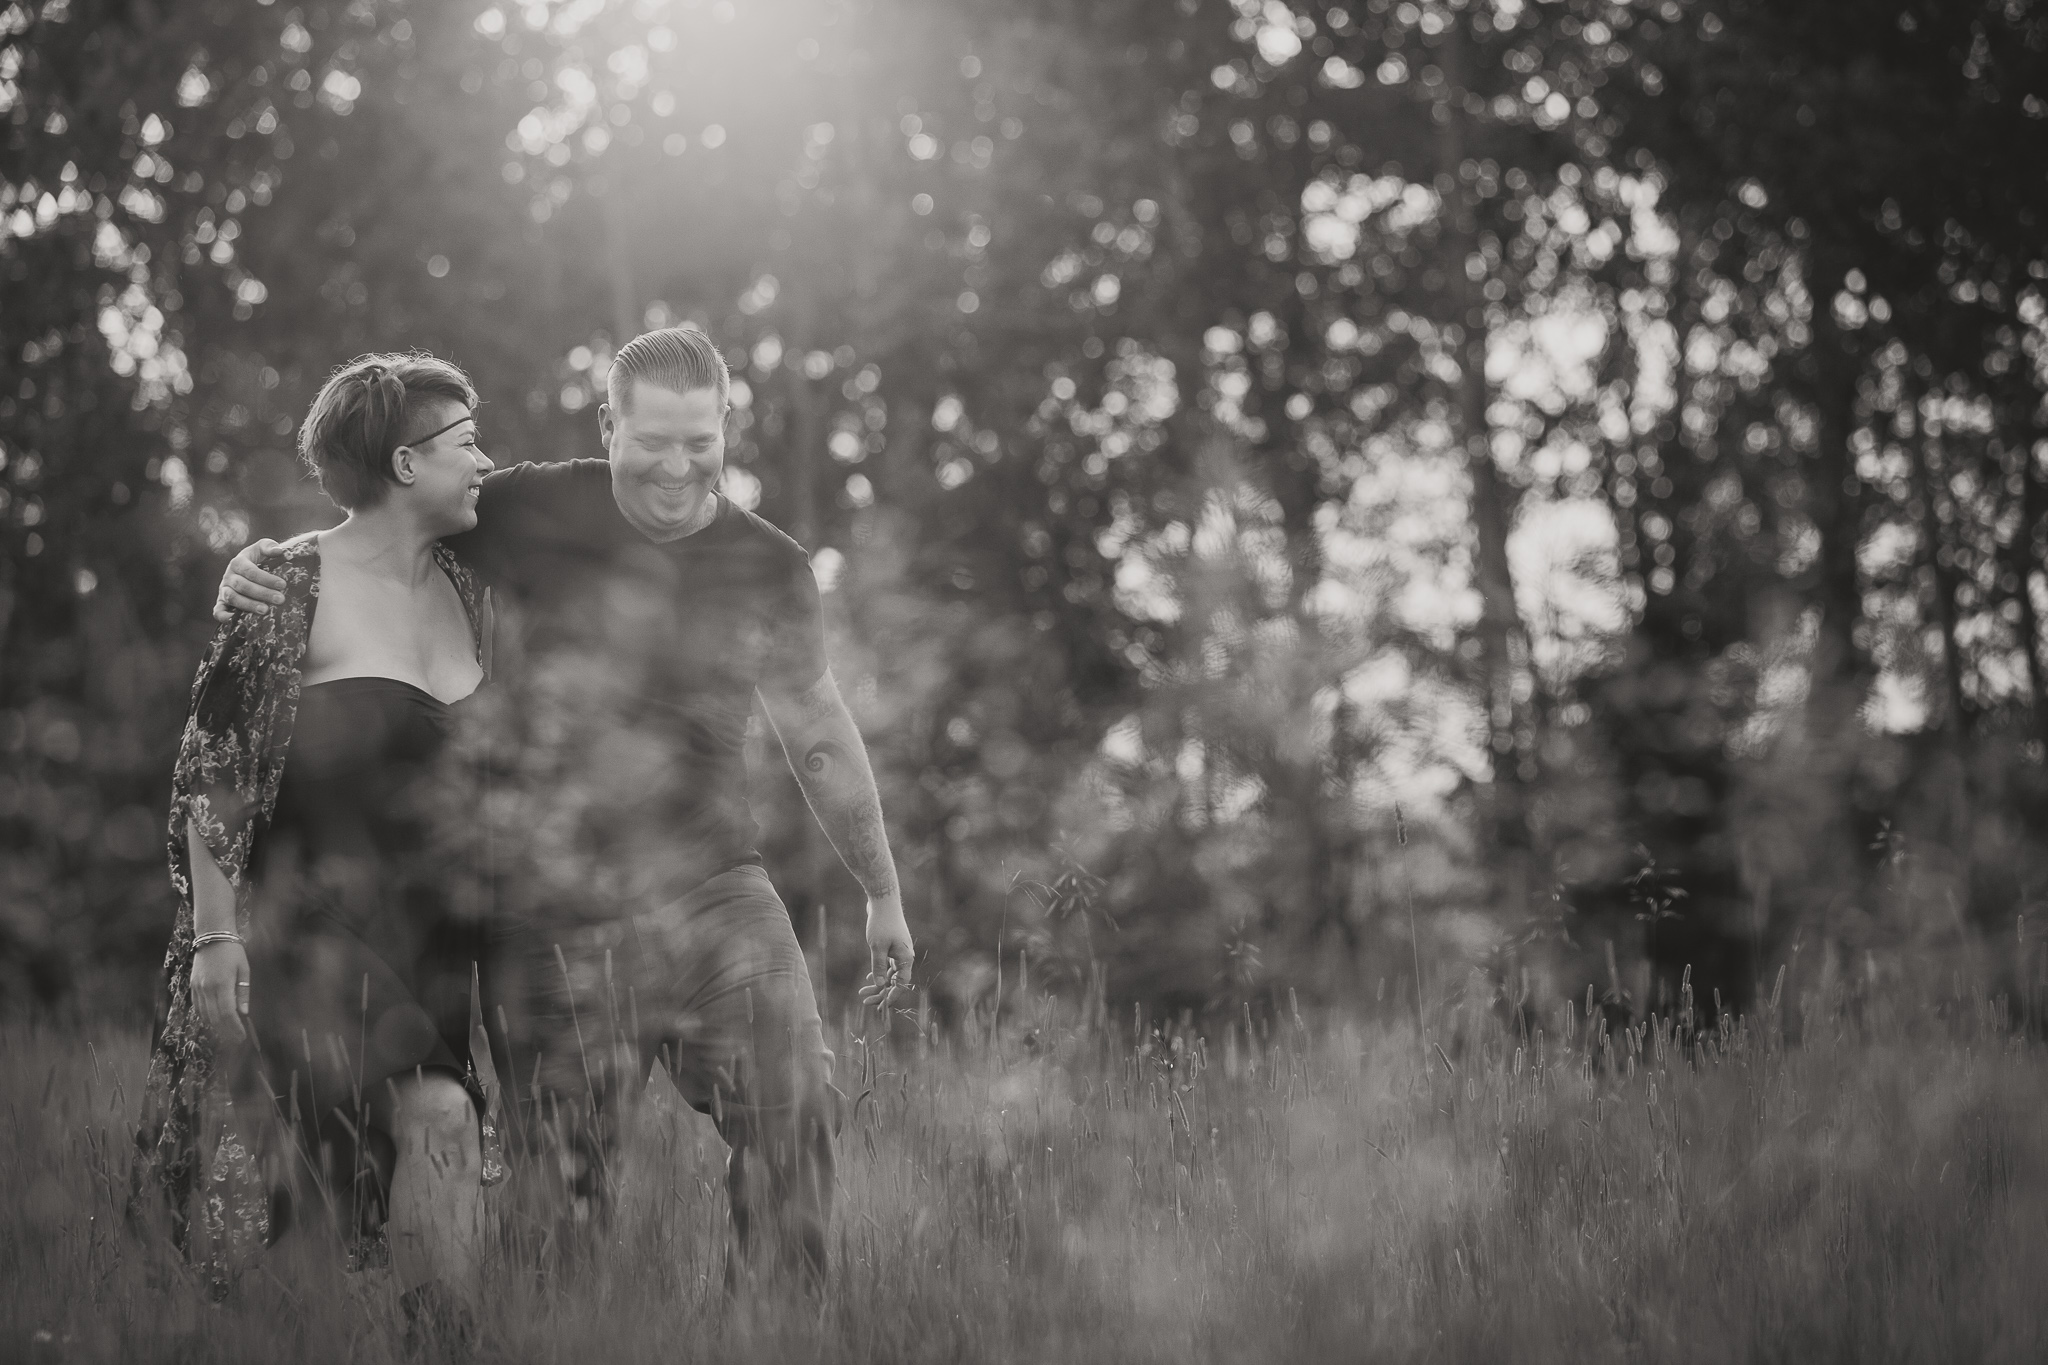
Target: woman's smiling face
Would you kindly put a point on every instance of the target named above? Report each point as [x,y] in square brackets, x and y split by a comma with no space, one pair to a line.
[448,467]
[667,452]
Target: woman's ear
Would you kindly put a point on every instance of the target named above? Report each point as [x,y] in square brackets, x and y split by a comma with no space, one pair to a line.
[401,465]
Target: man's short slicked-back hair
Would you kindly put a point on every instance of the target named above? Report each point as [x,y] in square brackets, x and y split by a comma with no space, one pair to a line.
[678,359]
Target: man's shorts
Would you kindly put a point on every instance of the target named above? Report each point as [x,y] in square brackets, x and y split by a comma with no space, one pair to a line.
[713,986]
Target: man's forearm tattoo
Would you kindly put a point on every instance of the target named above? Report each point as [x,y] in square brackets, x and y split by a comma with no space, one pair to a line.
[827,759]
[866,848]
[841,788]
[818,701]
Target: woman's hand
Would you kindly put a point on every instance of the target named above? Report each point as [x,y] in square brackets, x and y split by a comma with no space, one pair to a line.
[220,988]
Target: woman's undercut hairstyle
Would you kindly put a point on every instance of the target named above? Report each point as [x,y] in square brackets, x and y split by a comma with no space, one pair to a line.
[367,410]
[678,359]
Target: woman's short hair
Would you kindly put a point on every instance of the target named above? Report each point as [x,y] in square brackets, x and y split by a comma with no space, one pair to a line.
[367,409]
[678,359]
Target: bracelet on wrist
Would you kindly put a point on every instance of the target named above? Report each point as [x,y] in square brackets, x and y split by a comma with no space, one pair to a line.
[217,936]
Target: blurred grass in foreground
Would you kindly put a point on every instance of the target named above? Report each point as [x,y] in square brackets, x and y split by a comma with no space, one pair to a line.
[1877,1192]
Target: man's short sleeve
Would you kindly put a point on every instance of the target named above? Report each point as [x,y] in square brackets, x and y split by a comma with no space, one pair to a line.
[482,548]
[798,659]
[510,505]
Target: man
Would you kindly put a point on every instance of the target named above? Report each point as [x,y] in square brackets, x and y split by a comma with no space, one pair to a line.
[649,612]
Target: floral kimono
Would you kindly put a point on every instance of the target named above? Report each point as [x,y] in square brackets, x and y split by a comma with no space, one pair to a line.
[231,761]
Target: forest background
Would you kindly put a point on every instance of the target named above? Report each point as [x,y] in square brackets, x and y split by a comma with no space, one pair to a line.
[1486,498]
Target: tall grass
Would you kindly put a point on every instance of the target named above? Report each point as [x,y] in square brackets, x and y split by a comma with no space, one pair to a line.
[1877,1192]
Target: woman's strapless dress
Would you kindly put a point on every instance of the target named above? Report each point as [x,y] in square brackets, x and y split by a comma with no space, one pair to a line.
[360,967]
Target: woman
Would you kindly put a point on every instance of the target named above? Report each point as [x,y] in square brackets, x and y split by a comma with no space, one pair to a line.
[310,923]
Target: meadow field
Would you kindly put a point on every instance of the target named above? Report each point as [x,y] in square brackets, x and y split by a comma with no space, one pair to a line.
[1876,1190]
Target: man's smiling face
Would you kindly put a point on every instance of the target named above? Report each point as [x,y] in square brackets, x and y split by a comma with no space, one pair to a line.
[667,451]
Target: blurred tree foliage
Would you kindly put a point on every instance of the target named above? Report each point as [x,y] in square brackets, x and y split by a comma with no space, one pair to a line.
[1611,430]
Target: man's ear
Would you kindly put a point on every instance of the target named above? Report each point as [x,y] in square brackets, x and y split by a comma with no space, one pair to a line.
[401,465]
[604,424]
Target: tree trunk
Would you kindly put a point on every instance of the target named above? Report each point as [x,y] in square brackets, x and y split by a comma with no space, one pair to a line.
[1952,768]
[804,427]
[1833,833]
[2023,555]
[1840,669]
[1928,484]
[618,259]
[1503,643]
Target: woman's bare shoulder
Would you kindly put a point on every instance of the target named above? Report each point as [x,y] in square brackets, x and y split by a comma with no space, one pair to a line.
[297,559]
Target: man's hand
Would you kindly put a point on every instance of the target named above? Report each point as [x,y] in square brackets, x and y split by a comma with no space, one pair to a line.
[831,765]
[246,586]
[890,953]
[220,988]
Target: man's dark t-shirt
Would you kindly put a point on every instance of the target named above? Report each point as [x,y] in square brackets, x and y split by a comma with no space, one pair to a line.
[636,663]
